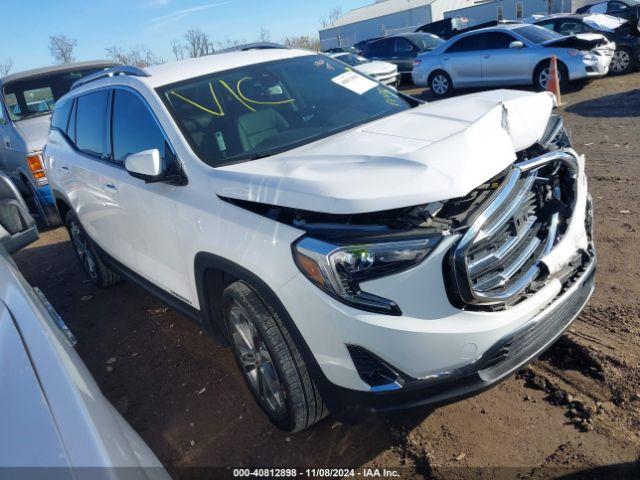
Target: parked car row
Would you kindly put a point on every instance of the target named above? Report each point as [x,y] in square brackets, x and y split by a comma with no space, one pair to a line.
[514,54]
[624,33]
[586,45]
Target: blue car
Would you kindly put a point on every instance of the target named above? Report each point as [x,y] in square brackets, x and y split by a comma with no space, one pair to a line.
[27,100]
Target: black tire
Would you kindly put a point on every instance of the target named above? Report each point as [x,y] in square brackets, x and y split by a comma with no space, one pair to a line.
[622,61]
[47,214]
[101,275]
[297,404]
[542,70]
[440,83]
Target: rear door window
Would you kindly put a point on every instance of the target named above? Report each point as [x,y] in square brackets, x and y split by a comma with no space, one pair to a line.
[403,46]
[133,127]
[469,43]
[386,47]
[91,123]
[570,27]
[497,40]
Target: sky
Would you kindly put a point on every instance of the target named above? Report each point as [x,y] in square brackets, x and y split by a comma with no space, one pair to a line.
[98,24]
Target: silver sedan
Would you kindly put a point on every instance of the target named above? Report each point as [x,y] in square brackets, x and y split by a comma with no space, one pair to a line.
[515,54]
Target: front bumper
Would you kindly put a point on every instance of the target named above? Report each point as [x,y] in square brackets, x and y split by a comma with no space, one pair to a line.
[504,358]
[441,352]
[600,66]
[389,79]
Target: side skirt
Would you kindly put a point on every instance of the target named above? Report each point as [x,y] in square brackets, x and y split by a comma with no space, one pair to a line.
[175,303]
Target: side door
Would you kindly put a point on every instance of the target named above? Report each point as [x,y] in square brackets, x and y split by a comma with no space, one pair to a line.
[502,65]
[148,227]
[91,179]
[405,53]
[462,60]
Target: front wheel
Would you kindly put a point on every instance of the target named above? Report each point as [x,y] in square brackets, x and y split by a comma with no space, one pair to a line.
[269,360]
[543,73]
[440,83]
[621,62]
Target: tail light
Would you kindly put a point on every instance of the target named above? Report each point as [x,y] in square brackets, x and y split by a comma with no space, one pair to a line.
[34,162]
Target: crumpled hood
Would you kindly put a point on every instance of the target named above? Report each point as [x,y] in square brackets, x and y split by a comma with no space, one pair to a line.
[35,131]
[436,151]
[579,41]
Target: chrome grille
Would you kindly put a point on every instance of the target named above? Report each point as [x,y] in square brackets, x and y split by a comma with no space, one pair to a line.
[498,258]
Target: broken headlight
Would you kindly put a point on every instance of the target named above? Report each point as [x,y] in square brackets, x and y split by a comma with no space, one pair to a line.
[339,269]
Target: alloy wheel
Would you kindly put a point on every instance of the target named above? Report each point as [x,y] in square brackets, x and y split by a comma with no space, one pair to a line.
[620,61]
[545,75]
[256,362]
[440,84]
[82,249]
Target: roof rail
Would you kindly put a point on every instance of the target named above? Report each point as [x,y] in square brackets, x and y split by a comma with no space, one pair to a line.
[110,72]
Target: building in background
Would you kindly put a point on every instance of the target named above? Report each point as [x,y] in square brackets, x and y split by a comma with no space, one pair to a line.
[490,10]
[390,17]
[384,18]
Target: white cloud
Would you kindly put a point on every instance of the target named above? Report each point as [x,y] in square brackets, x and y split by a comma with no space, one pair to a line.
[168,18]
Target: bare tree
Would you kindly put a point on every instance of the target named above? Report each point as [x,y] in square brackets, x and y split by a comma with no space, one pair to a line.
[264,35]
[137,56]
[177,49]
[229,43]
[334,14]
[198,43]
[306,42]
[6,66]
[61,48]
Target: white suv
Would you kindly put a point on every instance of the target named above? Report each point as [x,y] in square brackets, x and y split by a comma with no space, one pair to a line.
[359,250]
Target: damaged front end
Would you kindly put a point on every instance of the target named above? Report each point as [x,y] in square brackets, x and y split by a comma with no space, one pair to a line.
[505,230]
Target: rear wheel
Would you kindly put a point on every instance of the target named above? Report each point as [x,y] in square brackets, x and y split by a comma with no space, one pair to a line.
[440,83]
[621,62]
[269,360]
[101,275]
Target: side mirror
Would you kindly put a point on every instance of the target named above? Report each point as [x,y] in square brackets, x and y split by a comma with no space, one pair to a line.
[147,165]
[516,44]
[17,226]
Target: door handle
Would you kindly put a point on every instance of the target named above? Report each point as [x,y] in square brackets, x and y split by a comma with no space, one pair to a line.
[64,168]
[487,56]
[110,186]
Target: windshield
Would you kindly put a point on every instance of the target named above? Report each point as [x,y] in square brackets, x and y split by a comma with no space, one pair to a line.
[351,59]
[35,96]
[267,108]
[426,41]
[537,34]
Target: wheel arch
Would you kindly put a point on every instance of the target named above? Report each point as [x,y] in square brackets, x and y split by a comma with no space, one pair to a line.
[213,274]
[544,61]
[62,204]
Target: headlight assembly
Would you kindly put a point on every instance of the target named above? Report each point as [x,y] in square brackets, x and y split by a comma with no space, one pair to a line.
[339,269]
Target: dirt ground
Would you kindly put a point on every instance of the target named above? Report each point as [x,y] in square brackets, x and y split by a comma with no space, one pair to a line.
[575,410]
